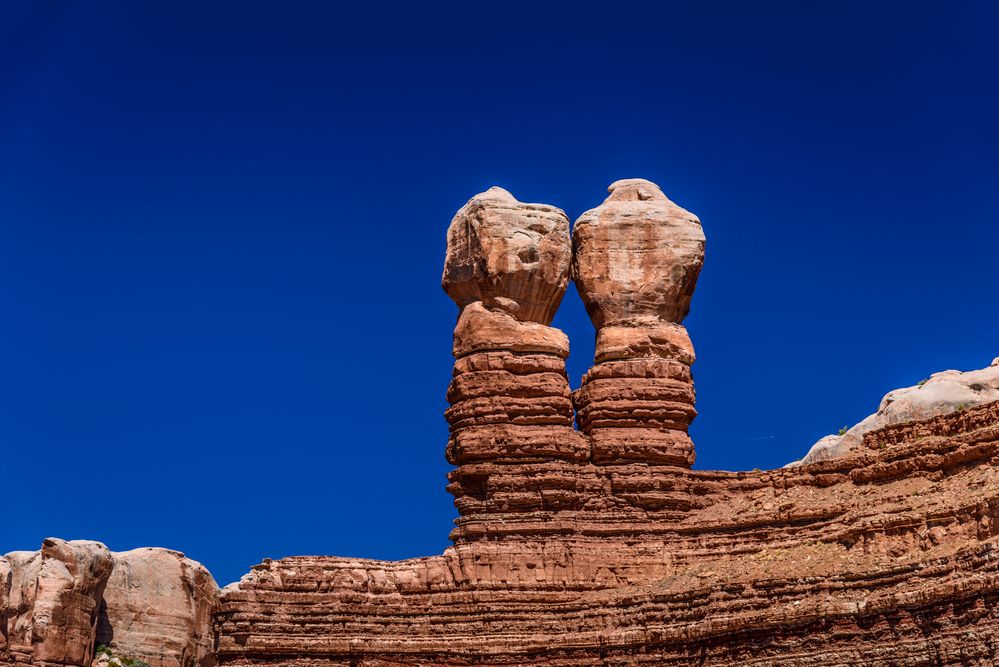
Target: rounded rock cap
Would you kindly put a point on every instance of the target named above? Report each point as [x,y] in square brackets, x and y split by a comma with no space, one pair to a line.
[634,189]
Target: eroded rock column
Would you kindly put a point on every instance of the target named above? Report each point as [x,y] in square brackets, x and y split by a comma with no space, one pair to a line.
[636,259]
[507,268]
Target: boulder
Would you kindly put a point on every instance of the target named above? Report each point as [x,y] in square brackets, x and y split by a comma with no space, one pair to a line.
[158,607]
[509,255]
[53,602]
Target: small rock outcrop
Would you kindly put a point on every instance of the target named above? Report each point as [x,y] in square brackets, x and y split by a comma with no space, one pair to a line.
[636,259]
[5,579]
[158,607]
[940,394]
[53,602]
[59,603]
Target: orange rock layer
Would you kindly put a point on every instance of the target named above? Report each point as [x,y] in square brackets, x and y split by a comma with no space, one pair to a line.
[887,558]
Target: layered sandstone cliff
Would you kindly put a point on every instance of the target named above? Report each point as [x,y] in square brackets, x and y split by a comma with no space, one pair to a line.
[599,546]
[584,537]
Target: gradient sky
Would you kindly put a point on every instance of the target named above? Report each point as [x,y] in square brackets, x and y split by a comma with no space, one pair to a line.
[222,234]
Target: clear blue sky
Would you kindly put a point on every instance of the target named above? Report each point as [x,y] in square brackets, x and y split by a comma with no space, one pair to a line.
[222,233]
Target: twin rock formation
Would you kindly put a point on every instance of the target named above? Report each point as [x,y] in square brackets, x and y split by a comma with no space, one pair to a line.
[635,259]
[594,544]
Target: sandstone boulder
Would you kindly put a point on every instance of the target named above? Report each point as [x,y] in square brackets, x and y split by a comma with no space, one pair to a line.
[637,256]
[53,602]
[158,607]
[508,254]
[942,393]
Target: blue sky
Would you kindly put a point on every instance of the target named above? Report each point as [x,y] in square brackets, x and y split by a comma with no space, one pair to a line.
[222,234]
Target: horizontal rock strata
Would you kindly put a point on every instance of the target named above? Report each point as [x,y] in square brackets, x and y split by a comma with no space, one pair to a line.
[596,546]
[601,546]
[636,259]
[507,267]
[887,557]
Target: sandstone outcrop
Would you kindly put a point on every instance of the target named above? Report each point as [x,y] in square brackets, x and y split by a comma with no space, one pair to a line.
[597,546]
[600,546]
[636,259]
[507,268]
[59,603]
[53,601]
[5,580]
[885,558]
[940,394]
[158,607]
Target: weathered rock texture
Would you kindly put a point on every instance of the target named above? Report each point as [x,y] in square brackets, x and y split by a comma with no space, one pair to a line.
[940,394]
[888,557]
[59,603]
[158,607]
[52,601]
[636,259]
[602,547]
[507,268]
[508,254]
[599,546]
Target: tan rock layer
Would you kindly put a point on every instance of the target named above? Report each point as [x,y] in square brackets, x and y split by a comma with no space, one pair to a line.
[158,607]
[887,558]
[52,601]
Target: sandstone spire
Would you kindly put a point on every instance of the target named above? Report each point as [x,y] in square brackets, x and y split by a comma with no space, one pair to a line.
[507,267]
[636,259]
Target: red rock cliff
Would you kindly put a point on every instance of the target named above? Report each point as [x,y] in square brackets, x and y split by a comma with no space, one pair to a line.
[601,546]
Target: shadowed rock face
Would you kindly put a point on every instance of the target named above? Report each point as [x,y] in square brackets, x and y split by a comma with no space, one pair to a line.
[508,255]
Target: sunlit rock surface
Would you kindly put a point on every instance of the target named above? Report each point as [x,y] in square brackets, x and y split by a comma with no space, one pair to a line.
[940,394]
